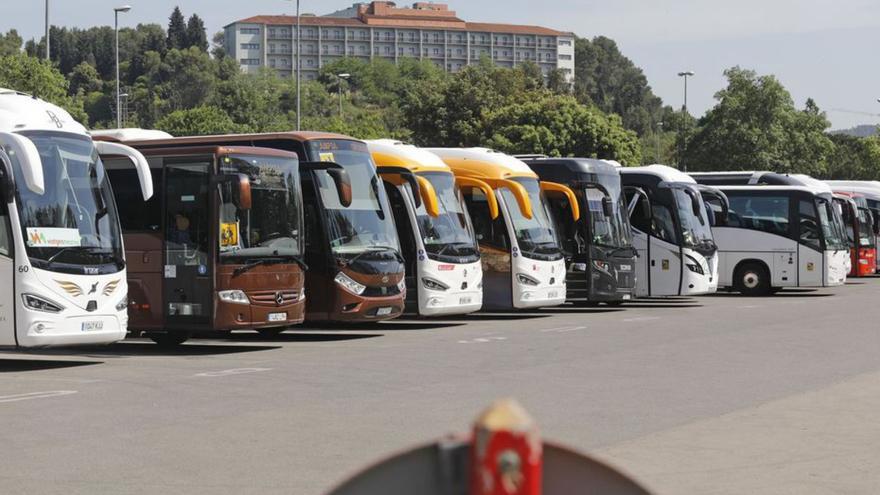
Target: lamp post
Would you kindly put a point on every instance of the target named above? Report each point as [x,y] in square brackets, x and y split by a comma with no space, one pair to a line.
[298,70]
[47,29]
[116,11]
[340,77]
[685,75]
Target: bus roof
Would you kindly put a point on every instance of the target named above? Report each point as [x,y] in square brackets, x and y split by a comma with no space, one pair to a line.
[762,187]
[392,153]
[23,112]
[868,188]
[159,138]
[576,165]
[663,172]
[483,163]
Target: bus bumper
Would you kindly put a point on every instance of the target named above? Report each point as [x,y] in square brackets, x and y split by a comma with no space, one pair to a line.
[437,303]
[46,331]
[540,297]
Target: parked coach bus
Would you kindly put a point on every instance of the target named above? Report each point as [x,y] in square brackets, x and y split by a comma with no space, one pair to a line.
[598,248]
[870,190]
[858,223]
[779,236]
[443,272]
[523,262]
[671,231]
[355,269]
[220,246]
[61,251]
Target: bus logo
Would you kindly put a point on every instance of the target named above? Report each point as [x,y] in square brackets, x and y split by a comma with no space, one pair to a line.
[94,288]
[55,119]
[279,298]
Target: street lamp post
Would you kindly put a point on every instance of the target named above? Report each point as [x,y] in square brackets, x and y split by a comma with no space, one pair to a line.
[47,29]
[340,77]
[685,75]
[116,11]
[298,70]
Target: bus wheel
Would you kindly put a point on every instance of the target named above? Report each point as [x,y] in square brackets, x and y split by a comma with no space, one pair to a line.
[752,279]
[172,339]
[270,332]
[614,303]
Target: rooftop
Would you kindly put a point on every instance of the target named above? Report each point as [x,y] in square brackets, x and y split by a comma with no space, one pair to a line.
[422,15]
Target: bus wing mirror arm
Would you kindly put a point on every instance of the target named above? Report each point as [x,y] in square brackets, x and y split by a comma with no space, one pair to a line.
[520,193]
[29,160]
[340,177]
[7,180]
[137,159]
[568,193]
[487,190]
[388,173]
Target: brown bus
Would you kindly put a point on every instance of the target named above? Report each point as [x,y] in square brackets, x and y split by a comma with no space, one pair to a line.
[220,244]
[355,269]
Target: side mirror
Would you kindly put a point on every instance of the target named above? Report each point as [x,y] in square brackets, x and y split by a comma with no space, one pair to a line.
[647,209]
[342,181]
[136,158]
[29,160]
[607,206]
[7,180]
[695,201]
[242,196]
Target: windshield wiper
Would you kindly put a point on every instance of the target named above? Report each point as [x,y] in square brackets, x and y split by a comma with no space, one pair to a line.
[455,245]
[90,249]
[269,261]
[375,249]
[629,249]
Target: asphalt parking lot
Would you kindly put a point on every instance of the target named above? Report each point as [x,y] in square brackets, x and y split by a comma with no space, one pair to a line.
[718,394]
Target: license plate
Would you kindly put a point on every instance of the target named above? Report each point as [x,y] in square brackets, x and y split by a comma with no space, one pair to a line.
[383,311]
[92,326]
[625,268]
[464,300]
[627,297]
[552,294]
[277,316]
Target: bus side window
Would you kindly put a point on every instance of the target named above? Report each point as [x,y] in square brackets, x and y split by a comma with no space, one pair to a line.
[637,219]
[5,229]
[662,225]
[406,235]
[808,223]
[566,229]
[489,232]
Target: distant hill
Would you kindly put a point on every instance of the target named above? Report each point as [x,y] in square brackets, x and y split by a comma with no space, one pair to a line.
[864,130]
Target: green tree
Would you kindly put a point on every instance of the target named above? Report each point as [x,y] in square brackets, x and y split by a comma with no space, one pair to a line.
[854,158]
[177,35]
[10,43]
[39,78]
[195,33]
[218,45]
[755,126]
[84,79]
[612,82]
[199,121]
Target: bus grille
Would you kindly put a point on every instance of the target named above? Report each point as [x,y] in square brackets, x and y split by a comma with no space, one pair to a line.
[270,297]
[392,290]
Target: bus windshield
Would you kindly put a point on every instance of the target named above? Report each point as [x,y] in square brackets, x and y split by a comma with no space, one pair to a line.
[365,225]
[613,231]
[449,235]
[829,217]
[535,236]
[73,226]
[866,229]
[695,227]
[272,226]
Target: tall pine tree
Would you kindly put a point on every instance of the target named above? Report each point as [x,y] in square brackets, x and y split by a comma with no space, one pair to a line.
[177,34]
[195,33]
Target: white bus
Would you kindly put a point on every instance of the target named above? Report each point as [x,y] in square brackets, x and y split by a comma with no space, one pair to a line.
[779,236]
[443,272]
[522,257]
[671,232]
[60,241]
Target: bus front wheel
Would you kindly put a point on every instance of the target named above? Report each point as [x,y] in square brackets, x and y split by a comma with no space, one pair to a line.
[752,279]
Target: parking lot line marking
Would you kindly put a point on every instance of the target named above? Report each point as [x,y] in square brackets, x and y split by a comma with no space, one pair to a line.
[640,318]
[482,340]
[234,371]
[561,329]
[35,395]
[749,306]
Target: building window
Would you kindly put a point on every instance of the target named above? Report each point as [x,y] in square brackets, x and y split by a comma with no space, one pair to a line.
[564,57]
[564,42]
[249,30]
[250,46]
[250,61]
[271,62]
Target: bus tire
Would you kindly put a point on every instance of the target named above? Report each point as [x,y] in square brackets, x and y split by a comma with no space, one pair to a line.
[753,279]
[270,333]
[169,339]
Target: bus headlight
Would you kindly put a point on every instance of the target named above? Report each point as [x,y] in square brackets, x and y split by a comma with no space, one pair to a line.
[38,303]
[432,284]
[233,296]
[401,286]
[123,304]
[527,280]
[350,285]
[694,265]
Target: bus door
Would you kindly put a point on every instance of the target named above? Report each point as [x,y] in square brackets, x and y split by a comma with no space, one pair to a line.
[407,235]
[811,265]
[639,208]
[494,240]
[188,274]
[7,271]
[665,254]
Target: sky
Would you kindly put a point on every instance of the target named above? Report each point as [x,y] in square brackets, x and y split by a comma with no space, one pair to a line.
[823,49]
